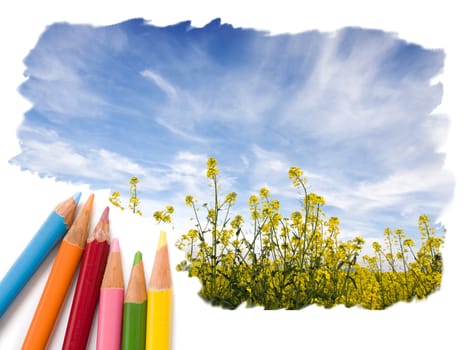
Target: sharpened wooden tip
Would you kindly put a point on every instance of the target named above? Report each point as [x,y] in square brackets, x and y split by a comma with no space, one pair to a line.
[113,275]
[137,258]
[78,232]
[115,246]
[101,231]
[162,239]
[105,215]
[88,206]
[76,197]
[67,209]
[136,291]
[161,276]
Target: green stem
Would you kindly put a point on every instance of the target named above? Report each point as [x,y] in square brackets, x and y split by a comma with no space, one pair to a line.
[214,238]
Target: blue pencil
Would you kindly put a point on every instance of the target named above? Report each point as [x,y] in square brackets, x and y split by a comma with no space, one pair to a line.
[50,234]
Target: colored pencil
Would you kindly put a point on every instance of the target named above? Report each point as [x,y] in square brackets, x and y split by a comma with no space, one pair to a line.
[109,329]
[46,238]
[158,321]
[134,314]
[87,287]
[60,277]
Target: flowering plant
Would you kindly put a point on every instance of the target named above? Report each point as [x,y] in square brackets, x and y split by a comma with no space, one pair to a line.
[298,260]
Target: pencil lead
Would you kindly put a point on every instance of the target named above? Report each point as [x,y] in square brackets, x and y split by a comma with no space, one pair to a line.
[105,215]
[162,239]
[138,257]
[115,246]
[76,197]
[101,231]
[78,231]
[89,203]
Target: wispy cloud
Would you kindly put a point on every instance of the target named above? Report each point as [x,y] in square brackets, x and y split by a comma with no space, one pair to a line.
[180,132]
[60,157]
[160,82]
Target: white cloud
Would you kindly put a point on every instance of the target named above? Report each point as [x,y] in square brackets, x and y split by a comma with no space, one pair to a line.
[268,169]
[116,162]
[51,68]
[185,174]
[57,99]
[269,161]
[396,189]
[180,132]
[348,97]
[395,201]
[55,82]
[60,159]
[160,82]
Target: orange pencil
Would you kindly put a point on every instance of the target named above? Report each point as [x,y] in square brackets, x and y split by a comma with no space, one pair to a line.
[60,278]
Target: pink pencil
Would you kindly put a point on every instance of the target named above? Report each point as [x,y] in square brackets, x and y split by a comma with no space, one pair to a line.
[111,302]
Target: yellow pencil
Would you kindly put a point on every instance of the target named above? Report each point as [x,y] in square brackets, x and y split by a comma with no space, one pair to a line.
[158,323]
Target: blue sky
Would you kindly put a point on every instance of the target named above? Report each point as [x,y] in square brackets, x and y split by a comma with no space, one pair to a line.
[352,108]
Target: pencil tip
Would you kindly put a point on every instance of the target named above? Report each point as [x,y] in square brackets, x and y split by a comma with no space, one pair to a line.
[105,215]
[115,246]
[89,203]
[138,258]
[76,197]
[162,239]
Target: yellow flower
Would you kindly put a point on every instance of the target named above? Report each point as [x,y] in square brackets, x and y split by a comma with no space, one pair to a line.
[134,200]
[212,214]
[158,215]
[211,163]
[193,234]
[133,181]
[274,204]
[264,192]
[189,200]
[237,222]
[211,170]
[253,200]
[255,214]
[359,240]
[266,211]
[231,197]
[295,172]
[377,247]
[333,223]
[296,218]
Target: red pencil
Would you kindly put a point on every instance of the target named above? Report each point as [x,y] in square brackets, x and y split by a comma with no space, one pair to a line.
[87,287]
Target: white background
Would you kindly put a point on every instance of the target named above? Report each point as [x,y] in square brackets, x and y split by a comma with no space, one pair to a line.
[438,322]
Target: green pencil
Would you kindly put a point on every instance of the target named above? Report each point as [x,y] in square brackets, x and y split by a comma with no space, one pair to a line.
[134,311]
